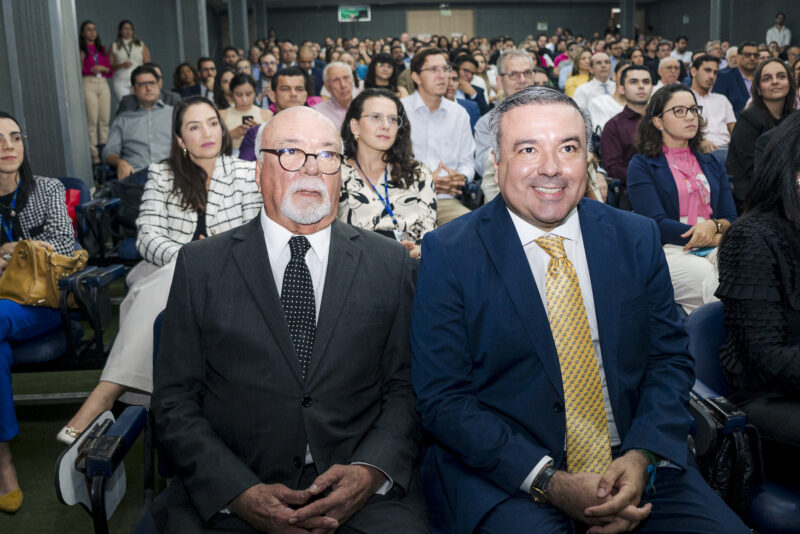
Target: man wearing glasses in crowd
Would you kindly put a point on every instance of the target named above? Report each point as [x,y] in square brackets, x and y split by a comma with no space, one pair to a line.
[736,82]
[515,72]
[440,132]
[269,329]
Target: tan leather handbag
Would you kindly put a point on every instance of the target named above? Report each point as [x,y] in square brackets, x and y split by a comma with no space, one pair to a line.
[32,274]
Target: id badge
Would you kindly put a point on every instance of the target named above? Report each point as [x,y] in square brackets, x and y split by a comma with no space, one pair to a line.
[398,235]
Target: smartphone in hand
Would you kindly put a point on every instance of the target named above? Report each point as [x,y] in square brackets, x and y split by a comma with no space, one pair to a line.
[247,118]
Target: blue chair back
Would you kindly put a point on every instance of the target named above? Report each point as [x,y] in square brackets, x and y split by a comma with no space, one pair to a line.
[80,185]
[706,329]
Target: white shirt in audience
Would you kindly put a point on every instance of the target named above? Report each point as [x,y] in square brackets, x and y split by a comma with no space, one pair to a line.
[602,108]
[591,89]
[442,136]
[685,58]
[781,36]
[718,113]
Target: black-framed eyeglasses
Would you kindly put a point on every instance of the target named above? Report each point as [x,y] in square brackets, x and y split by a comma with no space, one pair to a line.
[294,159]
[680,111]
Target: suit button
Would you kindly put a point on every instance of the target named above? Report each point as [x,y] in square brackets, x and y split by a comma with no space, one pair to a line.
[558,407]
[306,402]
[297,462]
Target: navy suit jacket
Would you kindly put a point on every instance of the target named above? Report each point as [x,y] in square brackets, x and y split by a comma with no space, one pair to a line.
[472,110]
[485,367]
[653,193]
[731,84]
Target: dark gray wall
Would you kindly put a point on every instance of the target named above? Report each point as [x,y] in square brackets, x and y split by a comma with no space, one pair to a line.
[6,103]
[499,18]
[741,19]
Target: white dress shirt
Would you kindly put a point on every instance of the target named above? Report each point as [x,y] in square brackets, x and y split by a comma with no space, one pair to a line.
[782,36]
[586,92]
[718,113]
[443,135]
[277,239]
[602,108]
[538,260]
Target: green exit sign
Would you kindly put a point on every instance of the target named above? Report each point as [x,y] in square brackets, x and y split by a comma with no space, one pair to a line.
[355,14]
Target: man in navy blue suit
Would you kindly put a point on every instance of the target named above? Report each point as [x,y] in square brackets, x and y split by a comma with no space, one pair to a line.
[735,83]
[467,67]
[532,309]
[472,108]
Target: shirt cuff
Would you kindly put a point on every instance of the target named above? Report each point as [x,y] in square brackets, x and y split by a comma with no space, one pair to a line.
[386,486]
[526,484]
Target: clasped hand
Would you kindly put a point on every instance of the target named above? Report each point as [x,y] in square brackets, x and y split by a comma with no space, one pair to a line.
[702,234]
[277,509]
[447,184]
[608,503]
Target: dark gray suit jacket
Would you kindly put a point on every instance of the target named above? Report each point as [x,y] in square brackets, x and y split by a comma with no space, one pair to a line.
[230,407]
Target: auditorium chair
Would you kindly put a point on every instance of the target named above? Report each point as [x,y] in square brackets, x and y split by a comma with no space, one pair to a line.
[774,508]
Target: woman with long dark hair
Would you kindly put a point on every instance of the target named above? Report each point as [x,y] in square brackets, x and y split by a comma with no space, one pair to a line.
[126,53]
[96,70]
[383,188]
[759,286]
[382,74]
[31,207]
[773,98]
[198,191]
[685,191]
[222,88]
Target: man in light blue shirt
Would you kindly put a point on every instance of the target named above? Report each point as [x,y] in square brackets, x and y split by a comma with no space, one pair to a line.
[440,132]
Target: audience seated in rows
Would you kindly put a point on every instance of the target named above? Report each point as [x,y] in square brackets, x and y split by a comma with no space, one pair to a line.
[717,110]
[170,98]
[471,107]
[382,74]
[669,70]
[141,136]
[268,66]
[199,191]
[466,66]
[31,207]
[440,132]
[581,71]
[383,188]
[603,107]
[736,82]
[599,84]
[685,191]
[339,81]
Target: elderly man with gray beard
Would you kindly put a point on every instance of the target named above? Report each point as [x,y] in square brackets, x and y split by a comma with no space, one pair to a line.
[283,396]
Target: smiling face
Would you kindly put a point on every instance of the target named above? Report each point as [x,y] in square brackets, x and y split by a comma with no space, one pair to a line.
[542,166]
[774,83]
[378,135]
[201,132]
[302,201]
[11,147]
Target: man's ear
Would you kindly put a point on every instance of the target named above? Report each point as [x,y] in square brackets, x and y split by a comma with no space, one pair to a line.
[415,77]
[495,164]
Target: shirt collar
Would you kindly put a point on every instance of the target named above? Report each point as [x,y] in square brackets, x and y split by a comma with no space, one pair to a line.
[277,239]
[569,229]
[631,114]
[158,105]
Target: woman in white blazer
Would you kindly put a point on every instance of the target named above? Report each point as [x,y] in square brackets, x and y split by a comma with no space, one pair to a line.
[198,191]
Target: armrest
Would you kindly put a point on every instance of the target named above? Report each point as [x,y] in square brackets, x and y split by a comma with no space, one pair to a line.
[107,452]
[102,204]
[104,276]
[724,411]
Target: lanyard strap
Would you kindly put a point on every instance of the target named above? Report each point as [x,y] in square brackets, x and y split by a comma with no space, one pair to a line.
[8,227]
[384,200]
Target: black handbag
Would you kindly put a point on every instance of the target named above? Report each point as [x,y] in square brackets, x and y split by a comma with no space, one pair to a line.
[728,450]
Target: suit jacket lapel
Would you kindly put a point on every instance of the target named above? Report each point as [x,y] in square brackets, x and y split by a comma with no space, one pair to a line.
[252,259]
[342,265]
[505,251]
[599,243]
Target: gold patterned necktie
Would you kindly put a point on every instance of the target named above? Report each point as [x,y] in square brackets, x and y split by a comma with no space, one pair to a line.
[588,448]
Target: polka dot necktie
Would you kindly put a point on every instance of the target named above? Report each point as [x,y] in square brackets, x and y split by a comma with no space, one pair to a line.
[588,447]
[297,298]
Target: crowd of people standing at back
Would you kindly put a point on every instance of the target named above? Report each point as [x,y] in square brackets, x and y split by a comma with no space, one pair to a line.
[690,138]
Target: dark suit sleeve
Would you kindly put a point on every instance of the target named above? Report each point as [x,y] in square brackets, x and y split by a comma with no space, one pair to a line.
[212,473]
[724,207]
[661,420]
[480,99]
[743,140]
[392,444]
[447,397]
[645,200]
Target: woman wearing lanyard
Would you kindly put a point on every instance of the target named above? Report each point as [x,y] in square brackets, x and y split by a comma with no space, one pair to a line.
[127,52]
[96,71]
[383,188]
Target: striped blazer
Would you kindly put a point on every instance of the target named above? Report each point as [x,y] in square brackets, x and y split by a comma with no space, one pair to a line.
[164,226]
[44,216]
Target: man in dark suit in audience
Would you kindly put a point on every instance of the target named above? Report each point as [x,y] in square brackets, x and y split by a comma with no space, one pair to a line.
[555,391]
[735,83]
[472,108]
[282,390]
[467,67]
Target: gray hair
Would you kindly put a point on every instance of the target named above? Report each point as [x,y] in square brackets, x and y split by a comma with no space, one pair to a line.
[530,96]
[666,60]
[732,51]
[259,135]
[508,54]
[710,44]
[339,64]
